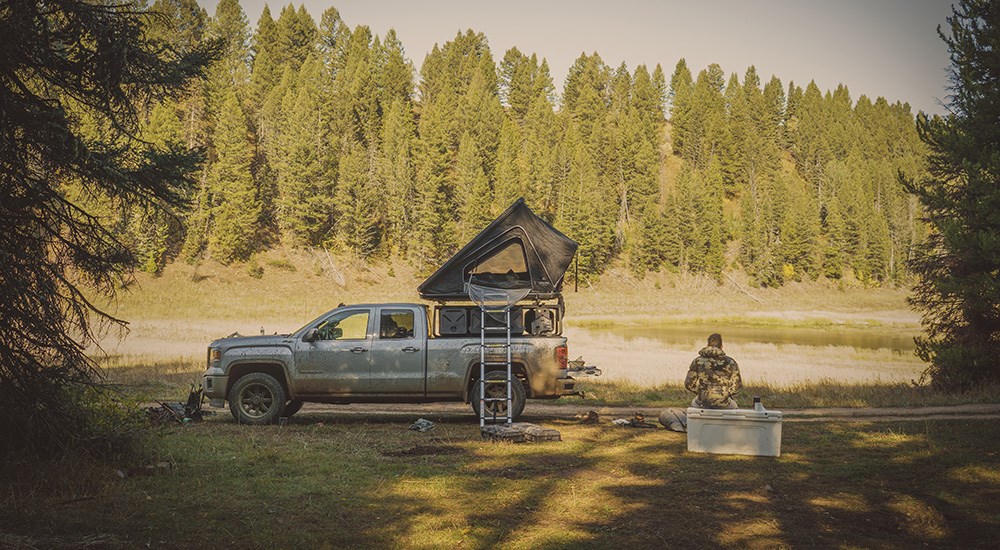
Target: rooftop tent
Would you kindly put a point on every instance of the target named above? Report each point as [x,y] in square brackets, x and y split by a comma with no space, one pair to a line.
[518,250]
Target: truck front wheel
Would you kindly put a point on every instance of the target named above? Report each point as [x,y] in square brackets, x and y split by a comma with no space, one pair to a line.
[293,407]
[499,390]
[257,398]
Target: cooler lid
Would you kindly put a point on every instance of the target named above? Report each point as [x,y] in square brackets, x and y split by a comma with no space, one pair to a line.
[735,414]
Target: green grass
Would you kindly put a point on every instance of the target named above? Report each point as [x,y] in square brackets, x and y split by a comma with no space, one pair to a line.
[827,393]
[170,380]
[332,481]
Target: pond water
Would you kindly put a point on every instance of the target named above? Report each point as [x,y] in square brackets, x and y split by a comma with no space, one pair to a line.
[694,336]
[775,355]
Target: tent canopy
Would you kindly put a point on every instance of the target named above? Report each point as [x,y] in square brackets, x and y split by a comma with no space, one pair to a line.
[518,250]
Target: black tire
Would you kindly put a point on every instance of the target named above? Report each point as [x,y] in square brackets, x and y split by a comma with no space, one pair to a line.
[257,398]
[292,407]
[517,396]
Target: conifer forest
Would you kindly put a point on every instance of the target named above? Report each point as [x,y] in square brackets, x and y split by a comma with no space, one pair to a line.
[320,134]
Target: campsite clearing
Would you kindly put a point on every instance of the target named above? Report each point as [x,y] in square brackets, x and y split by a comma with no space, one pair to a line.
[367,481]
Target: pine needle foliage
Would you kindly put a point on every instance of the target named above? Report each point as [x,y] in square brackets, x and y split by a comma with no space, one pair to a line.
[959,289]
[62,62]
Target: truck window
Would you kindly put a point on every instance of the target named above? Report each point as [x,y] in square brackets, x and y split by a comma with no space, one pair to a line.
[348,325]
[396,323]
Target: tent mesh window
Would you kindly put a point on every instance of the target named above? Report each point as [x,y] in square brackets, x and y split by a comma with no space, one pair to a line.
[505,268]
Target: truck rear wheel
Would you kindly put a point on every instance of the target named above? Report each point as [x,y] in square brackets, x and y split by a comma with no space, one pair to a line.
[499,408]
[257,398]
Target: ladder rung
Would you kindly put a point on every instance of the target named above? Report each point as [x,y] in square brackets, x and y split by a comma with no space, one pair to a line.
[495,329]
[495,363]
[492,345]
[495,399]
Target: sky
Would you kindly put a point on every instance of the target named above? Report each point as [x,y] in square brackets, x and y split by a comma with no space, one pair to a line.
[887,48]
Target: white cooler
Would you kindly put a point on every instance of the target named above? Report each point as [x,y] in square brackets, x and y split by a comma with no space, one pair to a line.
[734,431]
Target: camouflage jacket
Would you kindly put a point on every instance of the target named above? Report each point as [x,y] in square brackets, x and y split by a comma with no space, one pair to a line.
[715,378]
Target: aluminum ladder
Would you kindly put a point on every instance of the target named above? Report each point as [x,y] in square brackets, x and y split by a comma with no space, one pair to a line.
[488,362]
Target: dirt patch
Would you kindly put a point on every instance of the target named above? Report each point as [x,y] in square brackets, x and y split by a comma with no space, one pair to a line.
[424,450]
[514,472]
[544,412]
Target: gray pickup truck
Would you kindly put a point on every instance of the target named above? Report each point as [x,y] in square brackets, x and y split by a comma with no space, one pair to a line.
[382,353]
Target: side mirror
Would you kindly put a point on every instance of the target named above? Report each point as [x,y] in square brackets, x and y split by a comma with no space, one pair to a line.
[311,336]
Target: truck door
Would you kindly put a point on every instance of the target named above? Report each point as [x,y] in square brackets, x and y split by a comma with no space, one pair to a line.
[398,352]
[339,359]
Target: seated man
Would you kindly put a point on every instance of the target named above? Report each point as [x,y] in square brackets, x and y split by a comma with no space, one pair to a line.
[714,377]
[389,328]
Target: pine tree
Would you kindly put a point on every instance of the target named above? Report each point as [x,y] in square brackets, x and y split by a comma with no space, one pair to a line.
[543,82]
[773,112]
[507,186]
[396,174]
[586,96]
[358,227]
[811,149]
[354,103]
[671,244]
[395,77]
[540,153]
[272,116]
[154,233]
[182,27]
[736,148]
[73,60]
[235,205]
[181,24]
[687,214]
[660,85]
[647,101]
[712,221]
[799,231]
[583,209]
[232,71]
[479,112]
[706,120]
[434,224]
[790,122]
[303,161]
[473,192]
[516,86]
[333,39]
[620,91]
[638,189]
[267,70]
[958,289]
[296,37]
[835,240]
[681,90]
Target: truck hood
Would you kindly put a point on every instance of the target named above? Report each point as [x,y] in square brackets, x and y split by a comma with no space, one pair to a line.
[248,341]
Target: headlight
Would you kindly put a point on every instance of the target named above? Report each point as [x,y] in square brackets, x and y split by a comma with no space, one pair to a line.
[214,354]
